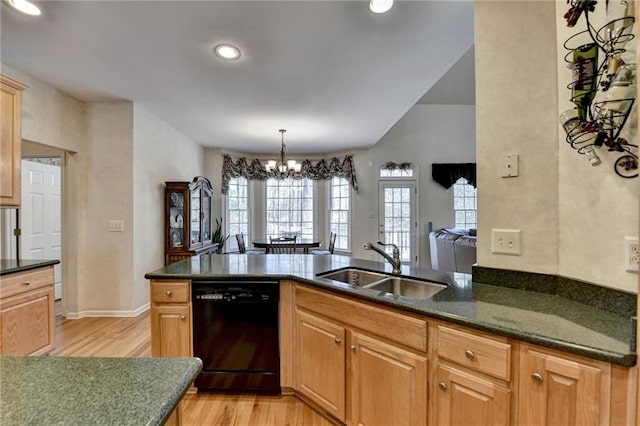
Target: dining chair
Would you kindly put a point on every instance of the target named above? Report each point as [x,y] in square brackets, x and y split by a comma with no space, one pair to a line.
[242,248]
[330,248]
[282,245]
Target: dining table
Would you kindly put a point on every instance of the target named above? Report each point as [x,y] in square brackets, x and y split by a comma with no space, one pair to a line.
[303,243]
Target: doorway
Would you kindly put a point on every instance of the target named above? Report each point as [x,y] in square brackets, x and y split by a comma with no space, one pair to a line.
[41,214]
[397,217]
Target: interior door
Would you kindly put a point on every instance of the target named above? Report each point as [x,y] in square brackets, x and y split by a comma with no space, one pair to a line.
[397,217]
[41,216]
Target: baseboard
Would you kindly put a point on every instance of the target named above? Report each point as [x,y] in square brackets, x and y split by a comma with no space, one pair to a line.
[115,314]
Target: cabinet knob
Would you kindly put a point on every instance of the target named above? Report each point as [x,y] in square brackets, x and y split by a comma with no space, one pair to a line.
[443,386]
[26,283]
[183,317]
[337,340]
[538,377]
[469,354]
[168,293]
[353,348]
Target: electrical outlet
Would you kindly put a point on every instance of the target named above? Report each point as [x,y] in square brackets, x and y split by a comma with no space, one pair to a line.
[506,241]
[631,254]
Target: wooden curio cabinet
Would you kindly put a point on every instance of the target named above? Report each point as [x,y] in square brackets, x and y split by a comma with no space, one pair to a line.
[188,219]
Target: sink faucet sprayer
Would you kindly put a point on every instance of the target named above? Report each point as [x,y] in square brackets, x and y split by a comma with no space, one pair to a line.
[395,260]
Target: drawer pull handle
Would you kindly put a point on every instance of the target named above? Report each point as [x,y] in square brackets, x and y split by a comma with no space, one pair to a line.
[183,317]
[26,283]
[538,377]
[442,386]
[469,354]
[168,293]
[337,340]
[353,348]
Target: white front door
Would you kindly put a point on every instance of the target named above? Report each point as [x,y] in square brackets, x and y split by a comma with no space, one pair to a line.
[41,216]
[397,207]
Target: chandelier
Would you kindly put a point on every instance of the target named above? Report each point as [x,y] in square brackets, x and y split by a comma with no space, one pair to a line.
[282,166]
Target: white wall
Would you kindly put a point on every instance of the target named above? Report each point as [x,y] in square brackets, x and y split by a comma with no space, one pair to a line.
[160,153]
[426,134]
[573,216]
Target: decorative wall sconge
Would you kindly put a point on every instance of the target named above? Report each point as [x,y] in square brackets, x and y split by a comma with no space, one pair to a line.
[603,90]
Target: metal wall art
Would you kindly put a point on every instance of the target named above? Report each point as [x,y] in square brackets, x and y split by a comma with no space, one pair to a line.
[603,87]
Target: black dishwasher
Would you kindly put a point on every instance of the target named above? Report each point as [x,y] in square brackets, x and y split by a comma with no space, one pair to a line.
[235,333]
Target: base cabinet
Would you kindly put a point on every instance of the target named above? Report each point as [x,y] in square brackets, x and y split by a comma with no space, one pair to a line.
[321,362]
[27,313]
[562,390]
[344,368]
[463,398]
[387,384]
[171,319]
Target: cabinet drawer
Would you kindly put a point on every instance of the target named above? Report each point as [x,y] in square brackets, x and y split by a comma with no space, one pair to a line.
[404,329]
[479,353]
[170,292]
[13,284]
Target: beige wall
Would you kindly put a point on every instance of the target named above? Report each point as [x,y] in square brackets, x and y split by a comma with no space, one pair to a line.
[160,153]
[573,216]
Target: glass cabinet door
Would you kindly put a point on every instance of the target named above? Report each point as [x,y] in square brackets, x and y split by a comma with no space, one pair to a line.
[196,237]
[206,216]
[176,219]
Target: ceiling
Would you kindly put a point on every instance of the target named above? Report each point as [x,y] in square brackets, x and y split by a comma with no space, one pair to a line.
[335,75]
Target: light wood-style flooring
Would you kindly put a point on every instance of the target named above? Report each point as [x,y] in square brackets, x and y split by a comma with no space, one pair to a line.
[130,337]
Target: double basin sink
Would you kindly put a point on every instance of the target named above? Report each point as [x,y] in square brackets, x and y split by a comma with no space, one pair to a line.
[398,286]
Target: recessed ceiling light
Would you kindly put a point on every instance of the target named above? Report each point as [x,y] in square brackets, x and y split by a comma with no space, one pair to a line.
[227,51]
[25,6]
[380,6]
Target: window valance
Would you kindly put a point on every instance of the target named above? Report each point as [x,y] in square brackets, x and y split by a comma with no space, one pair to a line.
[322,169]
[446,174]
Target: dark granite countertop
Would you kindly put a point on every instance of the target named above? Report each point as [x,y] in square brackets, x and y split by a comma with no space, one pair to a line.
[11,266]
[92,391]
[541,318]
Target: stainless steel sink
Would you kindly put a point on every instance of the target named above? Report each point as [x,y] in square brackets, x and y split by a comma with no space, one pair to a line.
[407,287]
[354,276]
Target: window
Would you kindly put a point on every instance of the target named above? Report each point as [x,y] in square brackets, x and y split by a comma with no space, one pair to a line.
[238,209]
[396,173]
[289,207]
[339,216]
[464,205]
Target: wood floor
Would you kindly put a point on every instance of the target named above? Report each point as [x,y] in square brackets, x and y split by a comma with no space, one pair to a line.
[130,337]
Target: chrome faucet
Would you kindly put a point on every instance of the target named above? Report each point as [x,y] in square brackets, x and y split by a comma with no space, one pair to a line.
[395,260]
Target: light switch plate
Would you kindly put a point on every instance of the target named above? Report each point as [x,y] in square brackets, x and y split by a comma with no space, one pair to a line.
[116,226]
[509,165]
[506,241]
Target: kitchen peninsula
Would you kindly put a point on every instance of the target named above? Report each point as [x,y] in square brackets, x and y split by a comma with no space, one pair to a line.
[98,391]
[492,344]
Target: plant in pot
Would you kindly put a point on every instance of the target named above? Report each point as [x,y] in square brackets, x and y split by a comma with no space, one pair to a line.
[218,236]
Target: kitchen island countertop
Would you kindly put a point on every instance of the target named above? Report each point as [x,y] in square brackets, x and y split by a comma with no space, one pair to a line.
[92,391]
[541,318]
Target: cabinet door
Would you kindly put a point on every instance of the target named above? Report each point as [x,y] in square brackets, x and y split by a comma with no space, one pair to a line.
[320,362]
[562,391]
[387,386]
[171,330]
[27,323]
[10,140]
[466,399]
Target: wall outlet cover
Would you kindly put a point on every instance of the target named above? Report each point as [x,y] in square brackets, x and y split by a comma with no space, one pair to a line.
[631,254]
[506,241]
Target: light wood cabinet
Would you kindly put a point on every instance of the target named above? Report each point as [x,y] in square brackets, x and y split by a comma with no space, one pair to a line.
[338,338]
[10,140]
[320,362]
[27,313]
[462,398]
[562,390]
[171,328]
[471,377]
[387,384]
